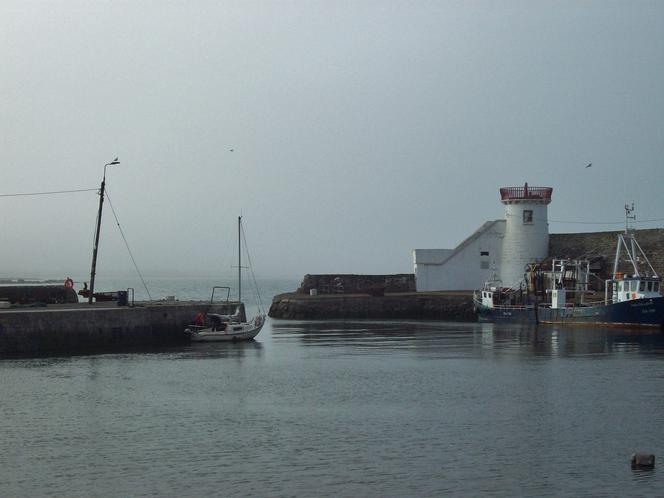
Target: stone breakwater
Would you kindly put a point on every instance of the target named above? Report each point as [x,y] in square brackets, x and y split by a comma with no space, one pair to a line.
[453,306]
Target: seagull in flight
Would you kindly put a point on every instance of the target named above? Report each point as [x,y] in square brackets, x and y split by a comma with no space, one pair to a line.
[589,165]
[231,150]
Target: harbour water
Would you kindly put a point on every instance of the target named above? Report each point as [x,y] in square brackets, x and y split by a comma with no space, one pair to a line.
[341,409]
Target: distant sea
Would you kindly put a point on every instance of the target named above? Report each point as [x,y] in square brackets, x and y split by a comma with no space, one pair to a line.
[340,408]
[200,288]
[183,288]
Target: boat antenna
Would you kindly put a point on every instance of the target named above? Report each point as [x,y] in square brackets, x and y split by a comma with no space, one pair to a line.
[629,216]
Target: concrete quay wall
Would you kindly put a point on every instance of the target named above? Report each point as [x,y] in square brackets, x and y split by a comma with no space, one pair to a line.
[416,305]
[97,327]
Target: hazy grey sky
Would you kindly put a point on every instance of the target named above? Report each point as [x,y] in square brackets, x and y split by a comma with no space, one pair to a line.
[361,130]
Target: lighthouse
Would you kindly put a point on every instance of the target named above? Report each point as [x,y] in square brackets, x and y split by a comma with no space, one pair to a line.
[526,237]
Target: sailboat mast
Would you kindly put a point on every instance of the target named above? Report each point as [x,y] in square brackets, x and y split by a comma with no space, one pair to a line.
[239,259]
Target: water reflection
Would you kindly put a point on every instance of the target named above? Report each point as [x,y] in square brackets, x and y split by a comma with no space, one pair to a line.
[339,408]
[216,350]
[640,475]
[471,338]
[376,337]
[563,341]
[199,350]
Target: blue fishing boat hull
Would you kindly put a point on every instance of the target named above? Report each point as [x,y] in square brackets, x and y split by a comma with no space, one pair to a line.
[647,312]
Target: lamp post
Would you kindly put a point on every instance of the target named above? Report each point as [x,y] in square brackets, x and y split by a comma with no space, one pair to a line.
[93,270]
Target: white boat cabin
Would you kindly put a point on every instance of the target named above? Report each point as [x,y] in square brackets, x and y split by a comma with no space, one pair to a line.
[631,288]
[487,296]
[493,295]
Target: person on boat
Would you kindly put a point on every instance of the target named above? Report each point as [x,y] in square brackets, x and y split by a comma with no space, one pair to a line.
[84,291]
[216,322]
[199,319]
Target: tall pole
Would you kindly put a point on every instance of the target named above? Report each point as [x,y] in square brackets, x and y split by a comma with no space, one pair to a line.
[239,259]
[95,248]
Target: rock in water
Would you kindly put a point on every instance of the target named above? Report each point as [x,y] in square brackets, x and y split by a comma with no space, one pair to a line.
[643,461]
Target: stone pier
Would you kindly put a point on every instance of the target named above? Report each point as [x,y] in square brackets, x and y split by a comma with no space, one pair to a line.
[70,328]
[453,306]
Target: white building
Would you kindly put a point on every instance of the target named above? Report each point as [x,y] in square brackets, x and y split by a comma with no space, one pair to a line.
[501,247]
[466,267]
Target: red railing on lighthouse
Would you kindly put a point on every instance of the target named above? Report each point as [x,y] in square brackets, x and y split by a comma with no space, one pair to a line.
[526,192]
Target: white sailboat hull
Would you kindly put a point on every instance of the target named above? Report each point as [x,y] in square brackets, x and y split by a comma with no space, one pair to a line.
[232,332]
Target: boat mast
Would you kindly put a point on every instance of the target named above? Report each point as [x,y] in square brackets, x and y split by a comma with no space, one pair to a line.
[633,250]
[632,254]
[239,259]
[93,270]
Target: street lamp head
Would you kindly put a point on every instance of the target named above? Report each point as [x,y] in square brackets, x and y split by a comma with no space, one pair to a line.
[112,163]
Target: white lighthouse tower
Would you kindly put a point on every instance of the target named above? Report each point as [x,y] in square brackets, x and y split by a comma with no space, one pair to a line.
[526,230]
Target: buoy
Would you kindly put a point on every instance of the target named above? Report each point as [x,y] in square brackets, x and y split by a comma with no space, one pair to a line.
[643,461]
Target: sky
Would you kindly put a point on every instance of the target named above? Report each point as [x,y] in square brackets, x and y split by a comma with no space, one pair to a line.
[346,133]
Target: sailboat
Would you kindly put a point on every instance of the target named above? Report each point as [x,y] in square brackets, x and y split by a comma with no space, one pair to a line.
[214,327]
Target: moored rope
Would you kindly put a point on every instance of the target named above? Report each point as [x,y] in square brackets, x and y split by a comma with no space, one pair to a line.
[127,245]
[50,193]
[261,308]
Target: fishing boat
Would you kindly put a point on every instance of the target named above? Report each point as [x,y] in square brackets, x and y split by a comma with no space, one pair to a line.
[563,294]
[234,326]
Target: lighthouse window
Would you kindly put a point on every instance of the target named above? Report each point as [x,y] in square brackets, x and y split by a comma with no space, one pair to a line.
[527,216]
[484,253]
[656,287]
[642,286]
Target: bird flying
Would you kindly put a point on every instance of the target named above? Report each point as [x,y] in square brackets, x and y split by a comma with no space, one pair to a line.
[589,165]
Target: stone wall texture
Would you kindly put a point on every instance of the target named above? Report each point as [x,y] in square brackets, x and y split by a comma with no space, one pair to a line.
[38,293]
[75,329]
[601,247]
[424,306]
[357,284]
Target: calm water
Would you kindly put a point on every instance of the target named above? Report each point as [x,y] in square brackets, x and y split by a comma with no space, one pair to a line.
[343,409]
